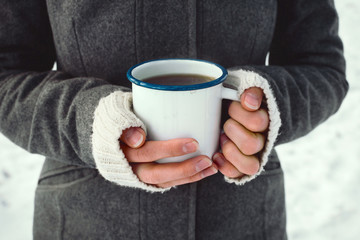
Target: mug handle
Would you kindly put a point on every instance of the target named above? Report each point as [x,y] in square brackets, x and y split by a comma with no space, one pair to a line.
[228,93]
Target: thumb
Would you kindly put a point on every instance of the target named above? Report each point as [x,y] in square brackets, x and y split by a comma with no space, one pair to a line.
[133,137]
[251,98]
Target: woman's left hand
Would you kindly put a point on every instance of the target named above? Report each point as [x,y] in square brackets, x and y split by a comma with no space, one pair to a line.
[244,135]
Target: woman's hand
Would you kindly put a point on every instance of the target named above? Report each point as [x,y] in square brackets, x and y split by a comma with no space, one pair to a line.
[142,155]
[244,136]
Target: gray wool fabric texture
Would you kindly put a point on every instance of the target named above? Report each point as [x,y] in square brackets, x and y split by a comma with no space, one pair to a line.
[94,42]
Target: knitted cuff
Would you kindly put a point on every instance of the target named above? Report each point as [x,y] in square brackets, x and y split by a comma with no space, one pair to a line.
[111,117]
[242,80]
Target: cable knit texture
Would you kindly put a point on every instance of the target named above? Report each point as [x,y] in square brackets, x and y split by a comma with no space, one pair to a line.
[112,116]
[242,80]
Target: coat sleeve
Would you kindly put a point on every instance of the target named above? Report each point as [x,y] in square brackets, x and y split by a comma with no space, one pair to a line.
[43,111]
[305,80]
[76,120]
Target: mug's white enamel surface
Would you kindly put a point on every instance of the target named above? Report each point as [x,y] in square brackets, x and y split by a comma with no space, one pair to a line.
[181,114]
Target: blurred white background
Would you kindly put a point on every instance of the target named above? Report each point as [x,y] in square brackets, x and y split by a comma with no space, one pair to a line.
[322,170]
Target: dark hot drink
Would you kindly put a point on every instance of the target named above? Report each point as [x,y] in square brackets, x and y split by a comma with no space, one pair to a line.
[179,79]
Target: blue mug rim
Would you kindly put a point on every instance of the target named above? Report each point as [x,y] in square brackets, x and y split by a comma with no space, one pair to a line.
[177,87]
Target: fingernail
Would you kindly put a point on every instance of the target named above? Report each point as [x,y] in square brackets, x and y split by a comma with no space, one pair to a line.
[208,172]
[134,137]
[252,101]
[223,139]
[202,164]
[190,147]
[219,161]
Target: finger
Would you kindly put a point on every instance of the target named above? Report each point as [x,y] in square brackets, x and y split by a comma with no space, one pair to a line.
[155,150]
[133,137]
[251,98]
[246,141]
[197,177]
[154,173]
[225,167]
[256,121]
[246,164]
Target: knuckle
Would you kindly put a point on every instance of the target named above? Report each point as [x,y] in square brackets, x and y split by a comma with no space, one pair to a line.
[246,149]
[234,109]
[141,154]
[145,177]
[251,146]
[231,109]
[231,172]
[187,171]
[253,167]
[150,177]
[260,121]
[195,178]
[173,148]
[228,150]
[228,125]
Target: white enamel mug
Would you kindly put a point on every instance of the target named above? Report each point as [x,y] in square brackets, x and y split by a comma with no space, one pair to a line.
[190,111]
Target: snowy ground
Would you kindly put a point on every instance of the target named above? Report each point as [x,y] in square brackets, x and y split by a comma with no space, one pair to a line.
[322,170]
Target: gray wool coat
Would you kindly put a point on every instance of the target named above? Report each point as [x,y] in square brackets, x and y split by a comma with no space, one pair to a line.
[94,42]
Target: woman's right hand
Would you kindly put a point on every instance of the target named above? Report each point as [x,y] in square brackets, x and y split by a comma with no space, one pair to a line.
[142,155]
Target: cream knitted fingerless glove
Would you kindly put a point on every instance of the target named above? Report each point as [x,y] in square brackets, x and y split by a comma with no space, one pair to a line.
[242,80]
[112,116]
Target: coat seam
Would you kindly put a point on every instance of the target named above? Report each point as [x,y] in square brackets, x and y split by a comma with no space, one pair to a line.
[139,208]
[265,209]
[60,219]
[47,187]
[253,44]
[78,47]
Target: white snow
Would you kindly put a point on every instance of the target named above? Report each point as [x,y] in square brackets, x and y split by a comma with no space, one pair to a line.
[322,170]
